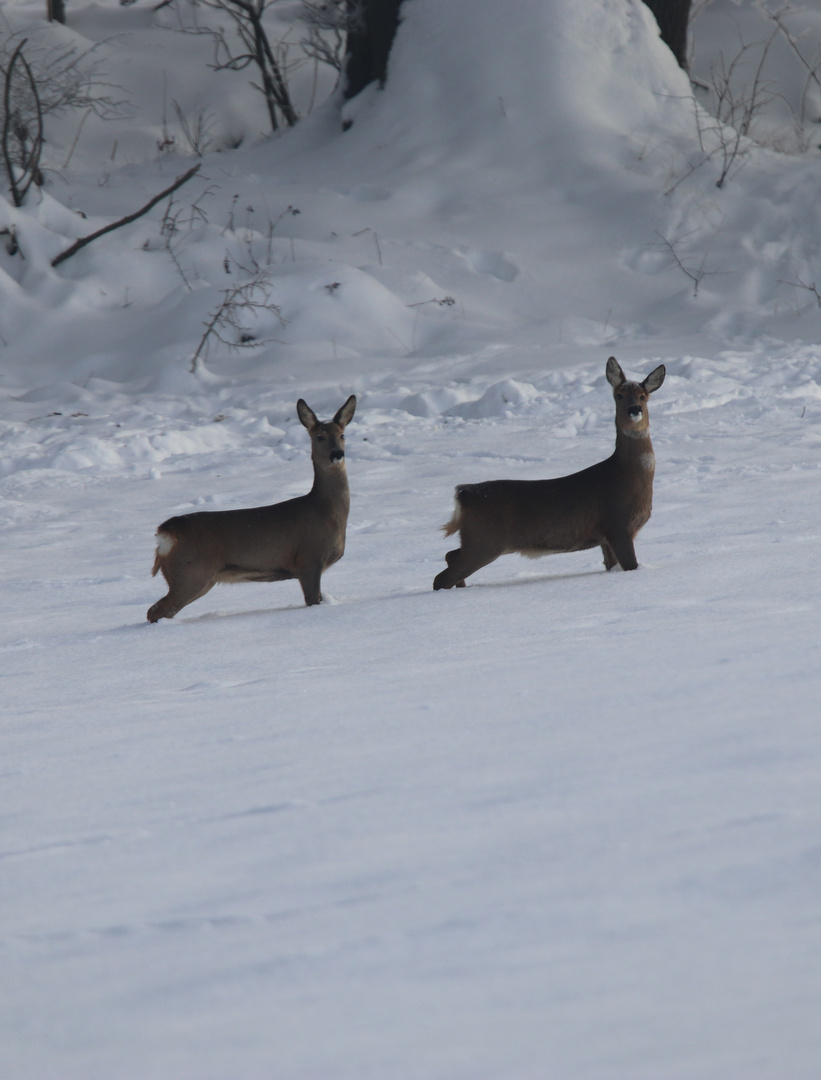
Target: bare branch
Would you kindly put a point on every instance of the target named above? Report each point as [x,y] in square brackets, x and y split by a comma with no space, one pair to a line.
[803,285]
[696,274]
[197,132]
[247,17]
[812,67]
[85,240]
[237,302]
[328,23]
[22,135]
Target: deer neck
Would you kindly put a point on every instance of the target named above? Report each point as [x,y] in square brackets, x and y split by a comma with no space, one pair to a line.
[331,485]
[634,451]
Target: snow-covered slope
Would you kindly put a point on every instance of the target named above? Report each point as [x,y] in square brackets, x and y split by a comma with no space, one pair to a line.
[559,824]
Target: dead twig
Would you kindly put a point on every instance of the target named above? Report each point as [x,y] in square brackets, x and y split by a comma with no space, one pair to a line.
[696,274]
[22,135]
[811,66]
[253,49]
[813,288]
[238,304]
[85,240]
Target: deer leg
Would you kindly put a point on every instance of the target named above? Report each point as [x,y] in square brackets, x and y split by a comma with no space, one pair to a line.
[610,559]
[461,566]
[182,591]
[622,547]
[451,558]
[309,579]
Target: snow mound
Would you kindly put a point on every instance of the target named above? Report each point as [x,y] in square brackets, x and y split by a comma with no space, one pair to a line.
[501,399]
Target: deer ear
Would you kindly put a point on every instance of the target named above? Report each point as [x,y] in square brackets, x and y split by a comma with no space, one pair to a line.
[615,375]
[655,379]
[345,414]
[307,416]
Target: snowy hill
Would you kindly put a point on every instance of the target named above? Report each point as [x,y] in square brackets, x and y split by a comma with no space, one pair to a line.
[561,823]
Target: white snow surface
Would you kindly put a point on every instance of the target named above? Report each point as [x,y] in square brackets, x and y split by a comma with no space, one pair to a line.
[559,824]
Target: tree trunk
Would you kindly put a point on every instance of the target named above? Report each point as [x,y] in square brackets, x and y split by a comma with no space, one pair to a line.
[56,10]
[673,17]
[369,43]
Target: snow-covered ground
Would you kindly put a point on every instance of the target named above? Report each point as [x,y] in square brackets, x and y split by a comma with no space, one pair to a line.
[559,824]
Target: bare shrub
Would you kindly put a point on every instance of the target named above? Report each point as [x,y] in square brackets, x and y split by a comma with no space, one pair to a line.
[328,23]
[244,43]
[39,82]
[231,322]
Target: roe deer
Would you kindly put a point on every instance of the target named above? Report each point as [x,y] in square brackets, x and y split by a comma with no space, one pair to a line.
[298,538]
[604,505]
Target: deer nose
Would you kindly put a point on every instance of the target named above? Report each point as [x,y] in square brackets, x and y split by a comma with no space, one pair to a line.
[337,455]
[634,412]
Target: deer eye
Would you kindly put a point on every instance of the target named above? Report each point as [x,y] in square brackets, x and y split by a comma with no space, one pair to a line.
[320,438]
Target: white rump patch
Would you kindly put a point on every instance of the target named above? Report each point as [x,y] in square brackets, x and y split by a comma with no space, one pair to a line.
[164,543]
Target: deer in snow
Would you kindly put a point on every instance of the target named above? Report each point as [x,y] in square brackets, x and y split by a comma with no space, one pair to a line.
[298,538]
[603,506]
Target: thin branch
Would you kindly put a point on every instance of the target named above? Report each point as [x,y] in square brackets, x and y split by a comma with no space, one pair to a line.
[803,285]
[15,126]
[811,66]
[237,301]
[695,274]
[256,49]
[85,117]
[84,240]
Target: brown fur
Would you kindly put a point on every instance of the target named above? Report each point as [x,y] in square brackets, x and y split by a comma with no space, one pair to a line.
[603,506]
[298,538]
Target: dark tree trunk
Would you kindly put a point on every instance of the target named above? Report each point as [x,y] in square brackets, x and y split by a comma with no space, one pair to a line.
[673,17]
[369,43]
[56,10]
